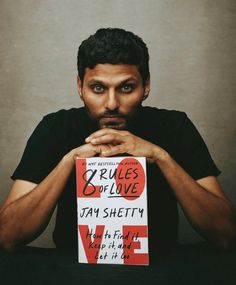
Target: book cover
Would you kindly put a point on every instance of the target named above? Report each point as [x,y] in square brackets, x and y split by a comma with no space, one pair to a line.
[112,210]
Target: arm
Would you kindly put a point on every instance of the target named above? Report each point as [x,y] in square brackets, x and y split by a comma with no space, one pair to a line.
[28,207]
[203,201]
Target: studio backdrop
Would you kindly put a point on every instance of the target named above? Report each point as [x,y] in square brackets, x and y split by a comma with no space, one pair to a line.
[192,48]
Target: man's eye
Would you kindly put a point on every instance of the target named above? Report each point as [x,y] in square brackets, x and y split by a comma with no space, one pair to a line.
[98,88]
[127,88]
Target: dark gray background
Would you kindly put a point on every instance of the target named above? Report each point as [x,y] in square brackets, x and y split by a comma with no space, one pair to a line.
[193,62]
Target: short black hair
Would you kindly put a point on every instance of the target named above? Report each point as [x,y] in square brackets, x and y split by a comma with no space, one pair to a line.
[114,46]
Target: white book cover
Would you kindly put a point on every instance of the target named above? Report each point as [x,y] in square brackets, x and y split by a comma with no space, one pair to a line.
[112,210]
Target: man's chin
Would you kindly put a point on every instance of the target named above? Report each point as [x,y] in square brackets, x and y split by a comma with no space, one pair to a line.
[113,126]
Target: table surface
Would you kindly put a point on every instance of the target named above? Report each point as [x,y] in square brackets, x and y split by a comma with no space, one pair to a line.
[187,264]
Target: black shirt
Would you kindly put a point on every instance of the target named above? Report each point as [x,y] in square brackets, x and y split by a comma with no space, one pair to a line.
[60,132]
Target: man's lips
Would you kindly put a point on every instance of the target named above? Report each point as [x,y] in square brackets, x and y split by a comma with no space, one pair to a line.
[113,121]
[112,118]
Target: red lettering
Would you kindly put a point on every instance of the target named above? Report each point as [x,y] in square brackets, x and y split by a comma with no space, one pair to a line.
[133,233]
[85,188]
[91,251]
[132,183]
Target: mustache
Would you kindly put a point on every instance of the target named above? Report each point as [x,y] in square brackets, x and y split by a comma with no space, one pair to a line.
[112,114]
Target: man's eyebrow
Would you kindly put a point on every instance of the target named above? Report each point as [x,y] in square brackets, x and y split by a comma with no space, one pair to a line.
[97,81]
[128,79]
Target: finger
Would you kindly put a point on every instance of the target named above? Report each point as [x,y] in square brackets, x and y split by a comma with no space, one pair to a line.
[87,150]
[103,132]
[107,139]
[114,150]
[101,148]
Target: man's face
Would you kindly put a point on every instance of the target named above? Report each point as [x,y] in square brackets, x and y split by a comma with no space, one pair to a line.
[112,93]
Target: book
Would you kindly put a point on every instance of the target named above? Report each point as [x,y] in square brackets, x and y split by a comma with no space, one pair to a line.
[112,210]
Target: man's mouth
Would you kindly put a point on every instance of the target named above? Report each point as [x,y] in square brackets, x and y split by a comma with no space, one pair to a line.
[113,121]
[112,116]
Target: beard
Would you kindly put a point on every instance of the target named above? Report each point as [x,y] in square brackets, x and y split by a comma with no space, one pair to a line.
[115,119]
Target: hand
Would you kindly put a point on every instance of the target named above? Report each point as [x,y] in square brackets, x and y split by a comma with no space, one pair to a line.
[121,142]
[87,150]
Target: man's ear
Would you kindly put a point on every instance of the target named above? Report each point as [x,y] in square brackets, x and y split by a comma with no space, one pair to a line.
[79,87]
[146,89]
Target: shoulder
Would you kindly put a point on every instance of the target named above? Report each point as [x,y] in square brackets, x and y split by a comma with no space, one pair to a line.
[166,119]
[63,115]
[163,113]
[64,119]
[58,124]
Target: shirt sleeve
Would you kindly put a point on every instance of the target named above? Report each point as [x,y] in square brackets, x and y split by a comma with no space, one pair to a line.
[42,152]
[192,151]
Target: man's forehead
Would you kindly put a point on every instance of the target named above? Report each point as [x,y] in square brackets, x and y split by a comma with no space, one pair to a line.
[112,72]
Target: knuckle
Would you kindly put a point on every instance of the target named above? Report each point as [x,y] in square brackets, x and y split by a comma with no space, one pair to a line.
[98,149]
[131,140]
[119,149]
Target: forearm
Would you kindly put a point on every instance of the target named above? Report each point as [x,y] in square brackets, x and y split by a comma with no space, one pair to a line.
[25,218]
[206,208]
[212,216]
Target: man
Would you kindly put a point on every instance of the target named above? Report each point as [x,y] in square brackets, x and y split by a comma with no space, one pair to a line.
[113,80]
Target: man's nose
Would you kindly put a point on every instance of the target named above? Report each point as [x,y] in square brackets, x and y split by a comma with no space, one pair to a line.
[112,102]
